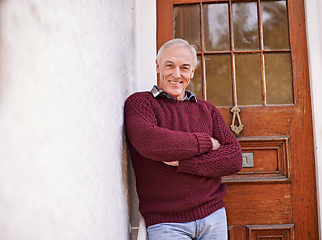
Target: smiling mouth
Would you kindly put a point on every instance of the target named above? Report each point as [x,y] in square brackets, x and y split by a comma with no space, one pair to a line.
[176,82]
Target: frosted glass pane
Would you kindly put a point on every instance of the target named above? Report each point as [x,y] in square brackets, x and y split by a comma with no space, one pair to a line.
[186,23]
[279,85]
[248,78]
[218,75]
[216,27]
[195,84]
[275,25]
[245,25]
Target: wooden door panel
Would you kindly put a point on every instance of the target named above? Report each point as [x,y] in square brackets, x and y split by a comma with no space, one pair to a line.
[237,232]
[263,121]
[262,232]
[271,232]
[270,158]
[259,204]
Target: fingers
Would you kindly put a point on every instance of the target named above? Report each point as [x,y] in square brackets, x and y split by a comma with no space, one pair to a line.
[174,163]
[215,144]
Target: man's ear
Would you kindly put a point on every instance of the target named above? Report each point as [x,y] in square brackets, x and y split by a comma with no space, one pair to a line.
[193,72]
[157,66]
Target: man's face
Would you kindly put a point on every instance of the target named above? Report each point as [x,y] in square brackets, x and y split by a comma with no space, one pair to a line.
[176,69]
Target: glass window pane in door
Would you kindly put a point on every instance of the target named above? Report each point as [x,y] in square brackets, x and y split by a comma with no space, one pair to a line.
[216,27]
[218,75]
[248,79]
[275,25]
[278,74]
[195,84]
[186,23]
[245,26]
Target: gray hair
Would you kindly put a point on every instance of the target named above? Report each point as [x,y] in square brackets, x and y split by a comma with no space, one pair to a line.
[180,43]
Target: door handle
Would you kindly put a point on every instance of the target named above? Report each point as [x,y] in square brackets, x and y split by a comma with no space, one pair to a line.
[234,127]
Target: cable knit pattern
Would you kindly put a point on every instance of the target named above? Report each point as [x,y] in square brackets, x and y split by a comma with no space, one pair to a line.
[161,129]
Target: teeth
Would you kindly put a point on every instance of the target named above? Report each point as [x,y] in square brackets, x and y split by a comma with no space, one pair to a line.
[177,83]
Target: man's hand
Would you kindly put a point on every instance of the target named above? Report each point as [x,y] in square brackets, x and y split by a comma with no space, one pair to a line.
[215,144]
[173,164]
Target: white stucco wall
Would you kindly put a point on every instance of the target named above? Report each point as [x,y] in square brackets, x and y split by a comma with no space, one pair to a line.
[66,69]
[313,9]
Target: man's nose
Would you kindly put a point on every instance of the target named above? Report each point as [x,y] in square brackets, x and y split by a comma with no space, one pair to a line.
[176,72]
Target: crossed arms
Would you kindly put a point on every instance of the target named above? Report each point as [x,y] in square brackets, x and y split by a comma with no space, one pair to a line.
[214,155]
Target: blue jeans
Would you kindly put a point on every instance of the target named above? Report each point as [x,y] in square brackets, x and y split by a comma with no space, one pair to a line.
[212,227]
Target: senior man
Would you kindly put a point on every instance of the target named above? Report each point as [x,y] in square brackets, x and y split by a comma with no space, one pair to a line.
[180,149]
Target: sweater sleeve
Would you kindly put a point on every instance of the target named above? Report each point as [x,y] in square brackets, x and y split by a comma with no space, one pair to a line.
[224,161]
[157,143]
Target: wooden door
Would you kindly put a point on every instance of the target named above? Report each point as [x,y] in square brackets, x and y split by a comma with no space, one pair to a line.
[252,54]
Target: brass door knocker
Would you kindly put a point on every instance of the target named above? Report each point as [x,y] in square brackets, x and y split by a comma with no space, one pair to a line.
[234,127]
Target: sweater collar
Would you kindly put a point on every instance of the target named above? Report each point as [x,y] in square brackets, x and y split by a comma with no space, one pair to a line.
[156,91]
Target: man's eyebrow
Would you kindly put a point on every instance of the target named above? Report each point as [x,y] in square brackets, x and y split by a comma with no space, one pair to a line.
[184,65]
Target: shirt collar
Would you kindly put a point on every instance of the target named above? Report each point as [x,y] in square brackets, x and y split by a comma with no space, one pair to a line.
[156,91]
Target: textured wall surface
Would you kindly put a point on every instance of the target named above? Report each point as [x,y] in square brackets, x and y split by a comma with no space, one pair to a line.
[66,68]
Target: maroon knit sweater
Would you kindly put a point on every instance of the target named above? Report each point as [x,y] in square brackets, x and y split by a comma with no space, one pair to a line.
[162,129]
